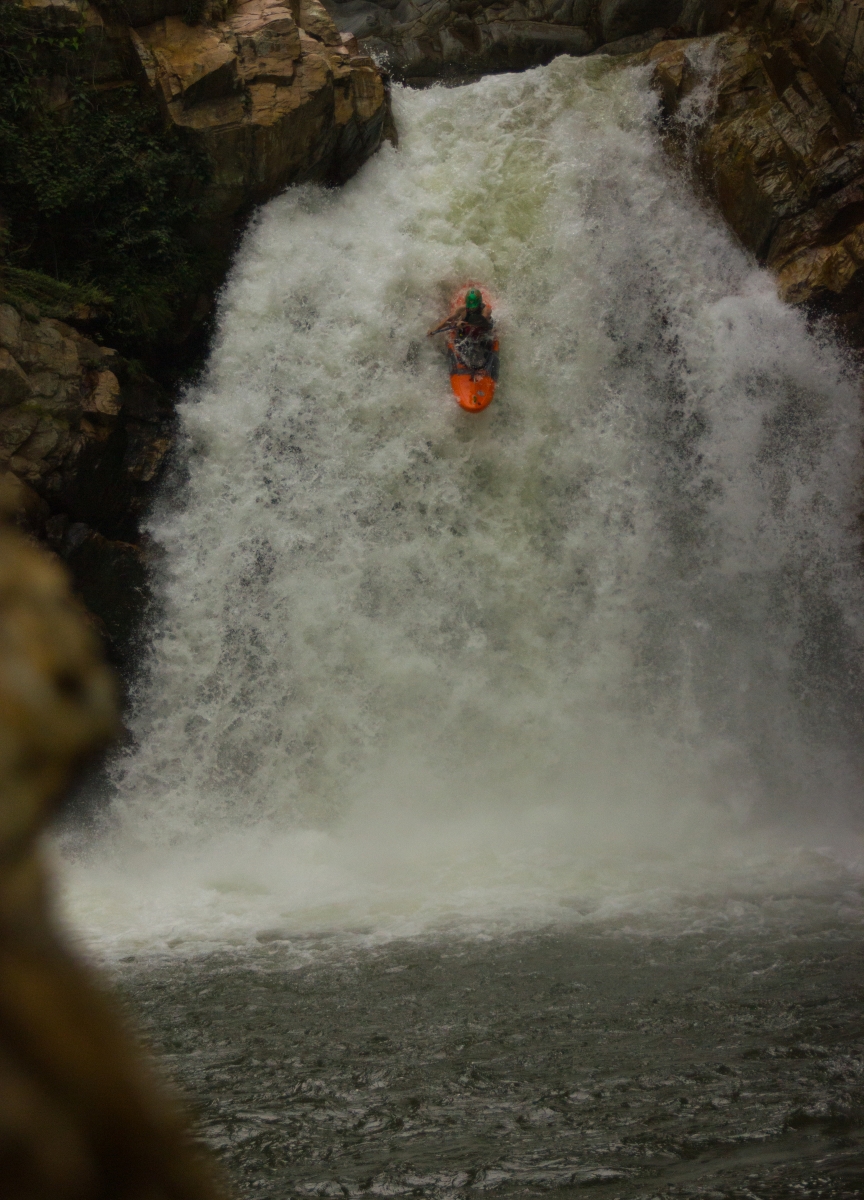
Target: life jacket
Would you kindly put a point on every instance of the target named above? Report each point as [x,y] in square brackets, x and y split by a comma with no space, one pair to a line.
[479,324]
[470,349]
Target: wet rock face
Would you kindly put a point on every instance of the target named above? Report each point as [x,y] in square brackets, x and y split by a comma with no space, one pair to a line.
[272,95]
[440,37]
[84,447]
[776,139]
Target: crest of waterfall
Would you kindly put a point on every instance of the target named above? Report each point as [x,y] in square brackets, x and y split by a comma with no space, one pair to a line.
[596,645]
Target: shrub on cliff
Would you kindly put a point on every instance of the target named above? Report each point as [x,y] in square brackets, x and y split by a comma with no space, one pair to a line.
[93,189]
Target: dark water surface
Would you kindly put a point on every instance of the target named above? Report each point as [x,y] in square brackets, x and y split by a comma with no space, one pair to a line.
[720,1064]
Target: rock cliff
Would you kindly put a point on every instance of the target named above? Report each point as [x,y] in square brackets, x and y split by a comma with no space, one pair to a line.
[85,449]
[271,95]
[770,119]
[431,38]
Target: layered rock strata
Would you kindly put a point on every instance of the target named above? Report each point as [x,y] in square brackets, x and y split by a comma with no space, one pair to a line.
[271,96]
[770,119]
[418,38]
[79,1114]
[85,448]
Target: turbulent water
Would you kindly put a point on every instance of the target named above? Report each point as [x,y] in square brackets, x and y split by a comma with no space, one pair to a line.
[590,660]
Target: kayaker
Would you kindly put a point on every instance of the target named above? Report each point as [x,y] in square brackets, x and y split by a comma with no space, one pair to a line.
[474,314]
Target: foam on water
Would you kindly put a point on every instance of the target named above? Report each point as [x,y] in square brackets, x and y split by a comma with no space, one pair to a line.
[592,652]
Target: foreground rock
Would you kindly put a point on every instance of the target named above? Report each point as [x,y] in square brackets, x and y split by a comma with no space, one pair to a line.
[79,1115]
[434,38]
[771,120]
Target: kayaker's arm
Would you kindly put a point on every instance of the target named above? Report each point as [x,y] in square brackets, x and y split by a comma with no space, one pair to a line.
[448,323]
[460,316]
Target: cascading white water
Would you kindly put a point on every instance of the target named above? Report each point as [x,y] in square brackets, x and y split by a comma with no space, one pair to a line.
[592,649]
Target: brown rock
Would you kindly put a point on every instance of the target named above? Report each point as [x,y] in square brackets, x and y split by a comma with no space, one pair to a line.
[318,23]
[49,346]
[16,426]
[10,329]
[105,397]
[38,446]
[45,384]
[267,40]
[451,37]
[776,151]
[145,453]
[56,697]
[14,384]
[264,97]
[185,64]
[80,1117]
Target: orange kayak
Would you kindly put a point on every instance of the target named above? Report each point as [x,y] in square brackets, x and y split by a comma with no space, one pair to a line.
[473,382]
[473,392]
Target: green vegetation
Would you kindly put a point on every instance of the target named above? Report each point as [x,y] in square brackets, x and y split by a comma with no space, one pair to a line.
[40,295]
[97,198]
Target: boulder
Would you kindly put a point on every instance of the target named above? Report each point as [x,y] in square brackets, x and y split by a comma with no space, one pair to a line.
[16,426]
[441,37]
[72,430]
[49,346]
[819,258]
[15,387]
[535,40]
[184,64]
[80,1113]
[104,396]
[10,329]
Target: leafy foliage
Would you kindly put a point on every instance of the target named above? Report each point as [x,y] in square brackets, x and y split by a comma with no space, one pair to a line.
[94,191]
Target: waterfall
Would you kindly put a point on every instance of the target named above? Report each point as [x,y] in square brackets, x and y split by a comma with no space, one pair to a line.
[593,651]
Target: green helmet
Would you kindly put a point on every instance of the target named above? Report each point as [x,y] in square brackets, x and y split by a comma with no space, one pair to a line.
[473,299]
